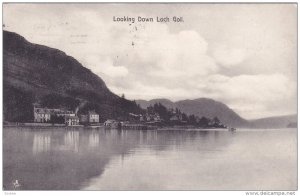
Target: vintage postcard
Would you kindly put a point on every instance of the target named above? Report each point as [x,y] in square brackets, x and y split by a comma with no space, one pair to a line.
[150,96]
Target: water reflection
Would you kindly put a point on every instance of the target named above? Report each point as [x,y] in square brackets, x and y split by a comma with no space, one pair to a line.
[41,143]
[94,139]
[59,159]
[71,140]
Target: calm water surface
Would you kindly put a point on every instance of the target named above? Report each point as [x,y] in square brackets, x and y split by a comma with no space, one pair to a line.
[59,159]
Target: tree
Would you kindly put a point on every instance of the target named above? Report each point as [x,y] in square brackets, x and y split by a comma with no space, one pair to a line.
[216,121]
[150,109]
[203,122]
[192,119]
[184,117]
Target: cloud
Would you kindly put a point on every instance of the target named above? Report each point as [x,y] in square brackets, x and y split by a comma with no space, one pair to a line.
[105,66]
[174,55]
[229,57]
[252,94]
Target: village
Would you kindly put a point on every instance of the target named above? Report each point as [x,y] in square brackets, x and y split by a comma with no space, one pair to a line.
[149,120]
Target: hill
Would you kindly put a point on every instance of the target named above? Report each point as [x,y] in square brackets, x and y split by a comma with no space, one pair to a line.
[211,108]
[201,107]
[36,73]
[275,122]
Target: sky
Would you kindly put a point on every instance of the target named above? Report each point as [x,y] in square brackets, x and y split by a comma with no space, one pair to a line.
[244,55]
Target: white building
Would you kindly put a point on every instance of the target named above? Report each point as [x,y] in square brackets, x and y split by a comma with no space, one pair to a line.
[93,117]
[89,118]
[43,115]
[71,120]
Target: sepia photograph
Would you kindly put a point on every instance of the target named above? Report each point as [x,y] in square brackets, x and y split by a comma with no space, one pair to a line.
[150,97]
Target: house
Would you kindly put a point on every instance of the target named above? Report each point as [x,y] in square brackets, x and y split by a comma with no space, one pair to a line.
[134,117]
[89,118]
[43,115]
[93,117]
[83,118]
[64,113]
[71,120]
[141,118]
[110,123]
[176,118]
[148,117]
[156,118]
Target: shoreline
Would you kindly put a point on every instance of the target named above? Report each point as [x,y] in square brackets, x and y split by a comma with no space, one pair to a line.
[124,127]
[132,127]
[48,125]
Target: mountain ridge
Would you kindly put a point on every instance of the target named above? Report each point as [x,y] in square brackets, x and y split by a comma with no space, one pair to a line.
[274,121]
[211,108]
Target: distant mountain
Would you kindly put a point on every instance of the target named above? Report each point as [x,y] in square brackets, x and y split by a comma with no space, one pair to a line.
[166,102]
[211,108]
[201,107]
[275,122]
[36,73]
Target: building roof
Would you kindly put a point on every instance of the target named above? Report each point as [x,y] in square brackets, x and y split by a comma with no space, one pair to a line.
[52,111]
[135,115]
[92,112]
[174,118]
[43,110]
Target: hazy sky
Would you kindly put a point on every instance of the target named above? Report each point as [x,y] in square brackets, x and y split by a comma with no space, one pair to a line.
[244,55]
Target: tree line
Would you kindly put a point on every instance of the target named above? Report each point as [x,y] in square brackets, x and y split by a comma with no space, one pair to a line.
[167,114]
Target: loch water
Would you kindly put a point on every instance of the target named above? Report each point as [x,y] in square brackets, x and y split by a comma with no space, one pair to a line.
[99,159]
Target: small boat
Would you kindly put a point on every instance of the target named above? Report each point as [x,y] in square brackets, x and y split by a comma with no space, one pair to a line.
[231,129]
